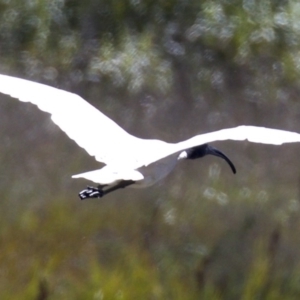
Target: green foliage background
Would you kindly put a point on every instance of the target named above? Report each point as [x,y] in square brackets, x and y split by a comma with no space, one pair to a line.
[161,69]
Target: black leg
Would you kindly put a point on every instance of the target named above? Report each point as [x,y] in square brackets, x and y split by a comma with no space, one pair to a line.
[92,192]
[122,184]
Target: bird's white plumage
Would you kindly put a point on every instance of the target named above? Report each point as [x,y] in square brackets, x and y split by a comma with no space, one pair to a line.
[253,134]
[88,127]
[109,143]
[108,175]
[76,117]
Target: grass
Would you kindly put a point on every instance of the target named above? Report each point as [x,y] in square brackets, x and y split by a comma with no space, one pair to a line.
[140,249]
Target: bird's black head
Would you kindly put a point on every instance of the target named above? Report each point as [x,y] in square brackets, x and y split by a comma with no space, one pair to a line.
[202,150]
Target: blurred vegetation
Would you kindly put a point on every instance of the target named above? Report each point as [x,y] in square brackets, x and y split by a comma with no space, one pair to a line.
[161,69]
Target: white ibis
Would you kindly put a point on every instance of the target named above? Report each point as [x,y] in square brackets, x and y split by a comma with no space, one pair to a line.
[129,161]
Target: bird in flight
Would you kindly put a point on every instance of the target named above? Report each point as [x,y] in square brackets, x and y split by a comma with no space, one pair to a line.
[129,160]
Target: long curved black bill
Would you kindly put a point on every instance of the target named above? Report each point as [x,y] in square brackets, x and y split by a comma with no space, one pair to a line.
[213,151]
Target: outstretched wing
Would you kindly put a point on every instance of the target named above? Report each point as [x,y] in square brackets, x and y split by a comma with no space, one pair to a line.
[253,134]
[88,127]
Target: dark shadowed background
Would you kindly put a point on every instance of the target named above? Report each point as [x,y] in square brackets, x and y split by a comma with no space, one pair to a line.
[167,70]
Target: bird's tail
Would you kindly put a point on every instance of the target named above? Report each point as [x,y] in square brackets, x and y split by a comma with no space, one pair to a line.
[108,175]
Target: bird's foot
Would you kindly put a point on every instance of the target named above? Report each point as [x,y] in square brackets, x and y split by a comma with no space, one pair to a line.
[91,192]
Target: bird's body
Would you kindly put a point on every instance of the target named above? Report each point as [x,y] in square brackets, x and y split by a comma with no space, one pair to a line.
[143,176]
[129,161]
